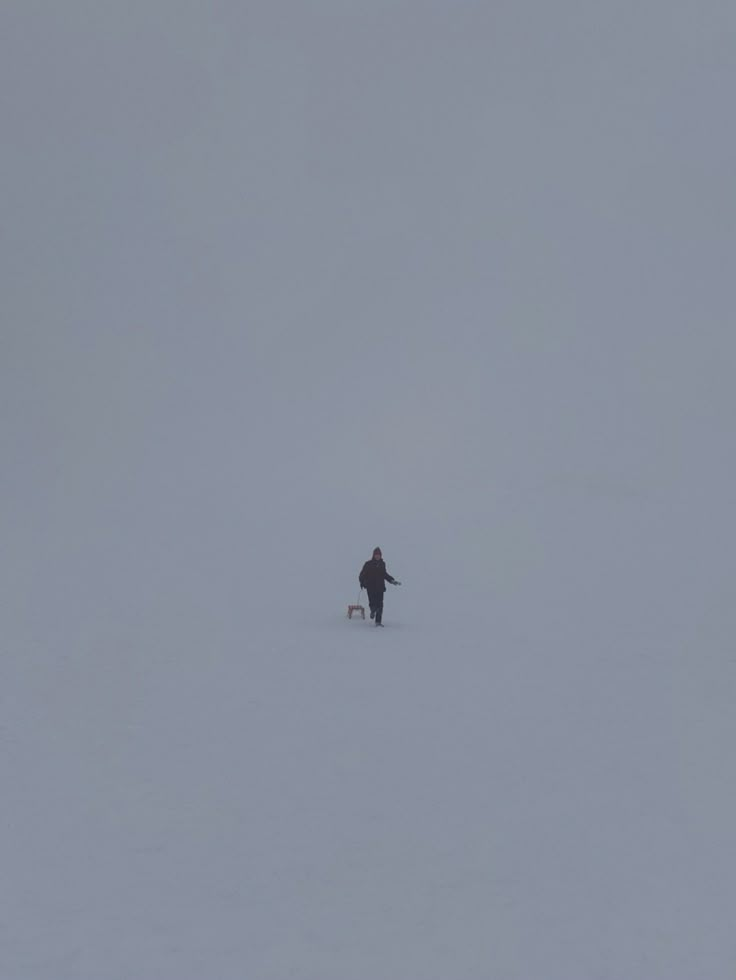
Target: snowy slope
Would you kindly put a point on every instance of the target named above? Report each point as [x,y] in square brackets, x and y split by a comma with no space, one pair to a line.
[487,787]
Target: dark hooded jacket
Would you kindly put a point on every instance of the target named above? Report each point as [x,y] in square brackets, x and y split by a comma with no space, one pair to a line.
[373,576]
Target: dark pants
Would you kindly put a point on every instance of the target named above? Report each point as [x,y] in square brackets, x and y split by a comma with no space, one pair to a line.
[375,601]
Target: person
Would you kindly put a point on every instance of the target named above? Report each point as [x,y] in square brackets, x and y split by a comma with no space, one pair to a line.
[373,578]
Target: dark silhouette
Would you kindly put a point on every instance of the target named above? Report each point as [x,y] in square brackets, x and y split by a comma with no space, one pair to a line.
[373,578]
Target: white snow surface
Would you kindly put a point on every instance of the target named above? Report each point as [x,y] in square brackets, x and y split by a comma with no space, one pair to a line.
[489,786]
[284,282]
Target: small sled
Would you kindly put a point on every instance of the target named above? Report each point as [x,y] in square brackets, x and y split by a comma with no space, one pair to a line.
[355,608]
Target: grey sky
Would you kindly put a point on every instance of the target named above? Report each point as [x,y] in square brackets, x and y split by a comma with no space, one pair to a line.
[278,267]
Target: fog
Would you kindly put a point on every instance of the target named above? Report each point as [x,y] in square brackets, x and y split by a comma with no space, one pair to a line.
[283,282]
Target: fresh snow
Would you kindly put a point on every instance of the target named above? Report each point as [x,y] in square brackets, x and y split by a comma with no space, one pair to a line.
[495,785]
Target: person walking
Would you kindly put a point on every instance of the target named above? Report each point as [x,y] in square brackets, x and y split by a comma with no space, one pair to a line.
[373,578]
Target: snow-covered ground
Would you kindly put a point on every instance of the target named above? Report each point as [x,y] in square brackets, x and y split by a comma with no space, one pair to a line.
[503,782]
[284,282]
